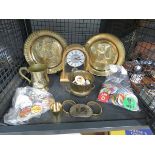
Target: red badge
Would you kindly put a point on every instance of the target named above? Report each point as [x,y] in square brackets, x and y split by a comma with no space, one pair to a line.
[25,112]
[103,97]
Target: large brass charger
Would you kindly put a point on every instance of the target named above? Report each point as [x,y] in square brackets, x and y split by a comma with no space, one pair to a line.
[45,47]
[104,49]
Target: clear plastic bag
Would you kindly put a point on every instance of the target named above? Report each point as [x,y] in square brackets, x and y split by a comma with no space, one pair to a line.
[117,89]
[27,103]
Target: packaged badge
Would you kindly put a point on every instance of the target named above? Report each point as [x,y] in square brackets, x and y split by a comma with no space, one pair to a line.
[117,90]
[28,103]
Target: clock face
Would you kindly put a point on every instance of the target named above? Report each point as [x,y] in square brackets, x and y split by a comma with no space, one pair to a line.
[75,58]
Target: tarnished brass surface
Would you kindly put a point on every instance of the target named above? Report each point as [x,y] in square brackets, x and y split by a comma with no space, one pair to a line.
[81,90]
[104,49]
[56,107]
[103,53]
[67,104]
[81,110]
[39,77]
[45,47]
[96,107]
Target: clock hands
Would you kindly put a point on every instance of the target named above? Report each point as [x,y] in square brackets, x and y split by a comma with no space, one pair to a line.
[77,58]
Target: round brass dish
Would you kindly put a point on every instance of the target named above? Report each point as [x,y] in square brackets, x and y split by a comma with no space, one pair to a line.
[79,94]
[45,47]
[81,90]
[104,49]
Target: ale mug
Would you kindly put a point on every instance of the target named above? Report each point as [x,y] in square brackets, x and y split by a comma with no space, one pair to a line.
[39,78]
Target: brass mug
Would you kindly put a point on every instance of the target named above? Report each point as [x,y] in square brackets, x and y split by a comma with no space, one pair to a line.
[39,78]
[81,90]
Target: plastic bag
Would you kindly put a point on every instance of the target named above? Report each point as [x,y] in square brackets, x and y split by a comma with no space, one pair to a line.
[117,89]
[27,103]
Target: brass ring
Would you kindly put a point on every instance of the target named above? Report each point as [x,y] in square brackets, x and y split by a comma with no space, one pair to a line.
[93,103]
[67,102]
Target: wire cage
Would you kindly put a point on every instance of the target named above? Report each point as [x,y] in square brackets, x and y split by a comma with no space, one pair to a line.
[138,37]
[73,30]
[12,37]
[142,66]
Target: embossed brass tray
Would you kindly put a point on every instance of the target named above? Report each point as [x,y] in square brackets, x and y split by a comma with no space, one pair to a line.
[45,47]
[104,49]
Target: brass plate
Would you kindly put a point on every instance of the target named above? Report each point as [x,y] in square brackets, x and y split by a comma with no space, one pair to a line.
[104,49]
[45,47]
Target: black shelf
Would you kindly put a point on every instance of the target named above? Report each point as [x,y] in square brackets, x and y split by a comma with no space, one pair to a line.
[78,127]
[112,118]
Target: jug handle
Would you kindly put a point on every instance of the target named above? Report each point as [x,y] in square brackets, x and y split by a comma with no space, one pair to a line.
[22,75]
[47,78]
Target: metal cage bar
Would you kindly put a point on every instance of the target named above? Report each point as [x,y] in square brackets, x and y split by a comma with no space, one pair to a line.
[11,55]
[143,54]
[73,30]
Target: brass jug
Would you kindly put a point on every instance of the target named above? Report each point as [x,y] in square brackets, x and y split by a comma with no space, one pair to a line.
[39,78]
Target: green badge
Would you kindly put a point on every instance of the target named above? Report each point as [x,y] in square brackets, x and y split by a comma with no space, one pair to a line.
[130,102]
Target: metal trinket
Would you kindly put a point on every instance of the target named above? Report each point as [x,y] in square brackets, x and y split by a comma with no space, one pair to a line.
[96,107]
[56,107]
[138,69]
[81,110]
[67,104]
[136,78]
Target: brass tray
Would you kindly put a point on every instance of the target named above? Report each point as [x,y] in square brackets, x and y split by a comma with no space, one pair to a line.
[104,49]
[45,47]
